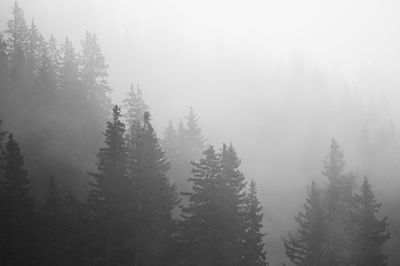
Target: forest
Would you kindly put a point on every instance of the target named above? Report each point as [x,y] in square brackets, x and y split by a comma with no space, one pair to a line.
[85,181]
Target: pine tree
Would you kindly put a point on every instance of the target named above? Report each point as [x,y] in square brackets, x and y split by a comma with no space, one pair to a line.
[367,230]
[338,200]
[35,46]
[4,74]
[254,253]
[17,208]
[214,219]
[233,195]
[155,199]
[193,136]
[17,32]
[109,194]
[135,107]
[93,72]
[306,247]
[186,146]
[200,225]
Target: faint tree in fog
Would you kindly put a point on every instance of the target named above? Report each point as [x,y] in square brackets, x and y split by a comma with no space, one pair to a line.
[93,73]
[134,107]
[368,232]
[183,145]
[338,200]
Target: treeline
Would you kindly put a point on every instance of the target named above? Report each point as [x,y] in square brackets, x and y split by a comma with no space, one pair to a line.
[146,204]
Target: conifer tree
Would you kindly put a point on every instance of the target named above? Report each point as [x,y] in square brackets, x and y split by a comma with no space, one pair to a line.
[233,198]
[368,231]
[17,33]
[135,107]
[35,46]
[200,226]
[94,75]
[4,74]
[214,219]
[109,194]
[305,248]
[193,136]
[254,253]
[155,199]
[338,200]
[17,209]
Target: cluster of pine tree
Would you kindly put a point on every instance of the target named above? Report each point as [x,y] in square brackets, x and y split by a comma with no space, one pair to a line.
[183,145]
[127,218]
[338,225]
[53,96]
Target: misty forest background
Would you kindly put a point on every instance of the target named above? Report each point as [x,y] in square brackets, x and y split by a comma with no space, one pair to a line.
[86,182]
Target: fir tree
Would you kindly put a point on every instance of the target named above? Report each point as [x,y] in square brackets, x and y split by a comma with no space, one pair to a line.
[193,136]
[4,74]
[155,199]
[200,225]
[306,247]
[17,209]
[94,75]
[338,200]
[35,46]
[109,194]
[214,220]
[17,32]
[254,253]
[135,107]
[367,230]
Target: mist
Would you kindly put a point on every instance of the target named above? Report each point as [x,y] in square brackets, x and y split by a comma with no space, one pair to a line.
[277,79]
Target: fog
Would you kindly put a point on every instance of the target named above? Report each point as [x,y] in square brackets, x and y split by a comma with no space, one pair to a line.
[278,79]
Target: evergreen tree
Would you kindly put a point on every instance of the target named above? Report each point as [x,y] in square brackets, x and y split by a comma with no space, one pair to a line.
[214,220]
[184,147]
[135,107]
[35,46]
[109,194]
[306,247]
[93,73]
[338,200]
[4,74]
[17,209]
[200,226]
[254,251]
[367,230]
[155,198]
[233,195]
[17,32]
[193,136]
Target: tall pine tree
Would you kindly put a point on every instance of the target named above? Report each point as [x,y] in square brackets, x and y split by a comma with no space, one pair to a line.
[368,232]
[109,194]
[338,201]
[254,253]
[305,248]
